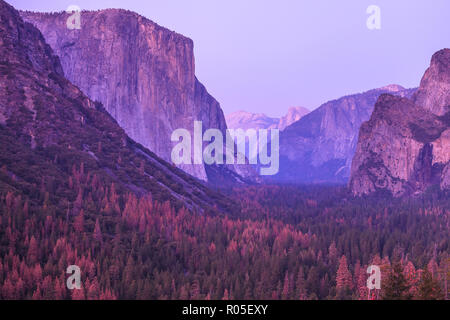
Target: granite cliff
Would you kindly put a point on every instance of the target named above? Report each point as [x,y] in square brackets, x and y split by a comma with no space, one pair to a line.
[49,128]
[142,73]
[405,146]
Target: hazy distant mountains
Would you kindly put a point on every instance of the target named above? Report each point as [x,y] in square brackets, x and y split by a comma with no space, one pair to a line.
[246,120]
[142,73]
[320,146]
[405,146]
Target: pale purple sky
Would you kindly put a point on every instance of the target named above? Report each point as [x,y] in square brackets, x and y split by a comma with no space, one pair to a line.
[268,55]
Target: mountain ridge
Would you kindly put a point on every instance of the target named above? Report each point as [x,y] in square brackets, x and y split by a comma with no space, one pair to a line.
[319,147]
[248,120]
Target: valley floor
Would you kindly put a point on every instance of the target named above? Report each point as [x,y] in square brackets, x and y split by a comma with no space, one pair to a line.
[279,243]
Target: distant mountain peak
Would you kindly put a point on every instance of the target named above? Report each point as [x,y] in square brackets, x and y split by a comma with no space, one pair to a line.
[294,114]
[247,120]
[393,88]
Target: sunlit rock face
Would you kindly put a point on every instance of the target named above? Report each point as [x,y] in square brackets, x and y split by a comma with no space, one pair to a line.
[49,128]
[142,73]
[405,146]
[434,91]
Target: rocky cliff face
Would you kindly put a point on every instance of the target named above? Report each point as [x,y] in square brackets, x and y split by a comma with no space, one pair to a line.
[445,179]
[319,147]
[142,73]
[405,146]
[48,126]
[434,91]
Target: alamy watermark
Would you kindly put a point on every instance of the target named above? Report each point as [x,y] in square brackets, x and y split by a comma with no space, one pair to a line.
[74,280]
[229,150]
[374,20]
[374,280]
[74,20]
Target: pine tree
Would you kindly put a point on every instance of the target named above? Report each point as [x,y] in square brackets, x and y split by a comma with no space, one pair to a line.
[79,222]
[97,231]
[429,288]
[361,285]
[396,286]
[184,294]
[195,290]
[286,288]
[78,294]
[93,292]
[33,251]
[36,294]
[344,281]
[225,295]
[332,251]
[301,285]
[411,277]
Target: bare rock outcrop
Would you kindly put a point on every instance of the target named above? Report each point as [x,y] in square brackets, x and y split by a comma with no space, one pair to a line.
[142,73]
[294,114]
[434,91]
[405,146]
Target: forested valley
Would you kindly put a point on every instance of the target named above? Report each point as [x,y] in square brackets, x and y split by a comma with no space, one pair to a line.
[281,242]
